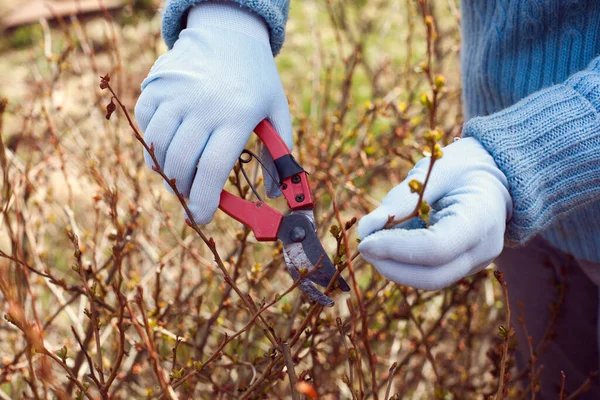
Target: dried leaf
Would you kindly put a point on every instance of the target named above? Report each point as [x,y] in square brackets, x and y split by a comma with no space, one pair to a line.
[104,80]
[307,389]
[110,109]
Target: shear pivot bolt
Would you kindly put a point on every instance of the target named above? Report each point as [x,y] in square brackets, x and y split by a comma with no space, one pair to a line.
[300,198]
[297,234]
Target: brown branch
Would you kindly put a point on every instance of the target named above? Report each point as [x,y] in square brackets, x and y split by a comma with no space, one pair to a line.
[121,350]
[532,357]
[363,313]
[146,335]
[390,380]
[506,332]
[584,387]
[287,356]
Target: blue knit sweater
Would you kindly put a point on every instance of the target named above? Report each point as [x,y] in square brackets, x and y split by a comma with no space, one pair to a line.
[532,98]
[275,13]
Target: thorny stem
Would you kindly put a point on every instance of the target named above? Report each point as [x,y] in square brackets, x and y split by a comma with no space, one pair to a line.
[121,352]
[584,387]
[93,316]
[416,212]
[424,340]
[225,296]
[314,311]
[432,107]
[556,308]
[532,356]
[72,376]
[563,380]
[146,335]
[350,361]
[89,359]
[363,313]
[390,380]
[507,333]
[228,339]
[289,363]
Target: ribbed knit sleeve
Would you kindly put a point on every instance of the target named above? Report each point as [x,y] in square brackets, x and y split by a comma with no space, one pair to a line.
[274,12]
[548,146]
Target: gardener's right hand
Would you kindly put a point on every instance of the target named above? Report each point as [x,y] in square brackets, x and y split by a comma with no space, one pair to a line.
[203,98]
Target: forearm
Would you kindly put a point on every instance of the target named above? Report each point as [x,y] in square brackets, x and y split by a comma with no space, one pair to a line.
[547,145]
[274,13]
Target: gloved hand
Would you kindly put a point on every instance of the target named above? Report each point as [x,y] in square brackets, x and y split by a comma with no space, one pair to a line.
[202,99]
[470,206]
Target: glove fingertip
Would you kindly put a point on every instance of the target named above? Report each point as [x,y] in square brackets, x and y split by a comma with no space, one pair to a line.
[269,172]
[201,216]
[272,190]
[365,247]
[373,222]
[282,122]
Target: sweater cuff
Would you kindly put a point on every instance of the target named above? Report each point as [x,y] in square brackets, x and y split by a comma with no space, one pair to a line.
[274,13]
[547,146]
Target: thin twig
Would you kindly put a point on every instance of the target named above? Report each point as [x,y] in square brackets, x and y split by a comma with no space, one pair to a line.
[584,387]
[506,333]
[287,356]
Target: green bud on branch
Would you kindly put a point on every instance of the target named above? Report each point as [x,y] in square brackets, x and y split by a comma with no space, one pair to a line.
[62,353]
[415,186]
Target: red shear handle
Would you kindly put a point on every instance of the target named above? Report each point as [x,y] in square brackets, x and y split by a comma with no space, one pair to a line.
[262,219]
[294,181]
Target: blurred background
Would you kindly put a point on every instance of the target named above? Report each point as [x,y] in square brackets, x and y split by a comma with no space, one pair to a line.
[107,293]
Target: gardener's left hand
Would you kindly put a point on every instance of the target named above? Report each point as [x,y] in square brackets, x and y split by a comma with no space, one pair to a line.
[470,207]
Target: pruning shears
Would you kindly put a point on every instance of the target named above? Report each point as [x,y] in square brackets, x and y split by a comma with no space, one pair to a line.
[304,256]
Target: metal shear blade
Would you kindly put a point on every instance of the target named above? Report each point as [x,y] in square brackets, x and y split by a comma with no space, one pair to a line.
[293,257]
[303,252]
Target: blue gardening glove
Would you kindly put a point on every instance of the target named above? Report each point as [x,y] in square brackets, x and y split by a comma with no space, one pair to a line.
[470,206]
[203,98]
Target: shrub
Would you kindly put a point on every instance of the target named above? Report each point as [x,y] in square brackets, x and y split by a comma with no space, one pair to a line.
[109,293]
